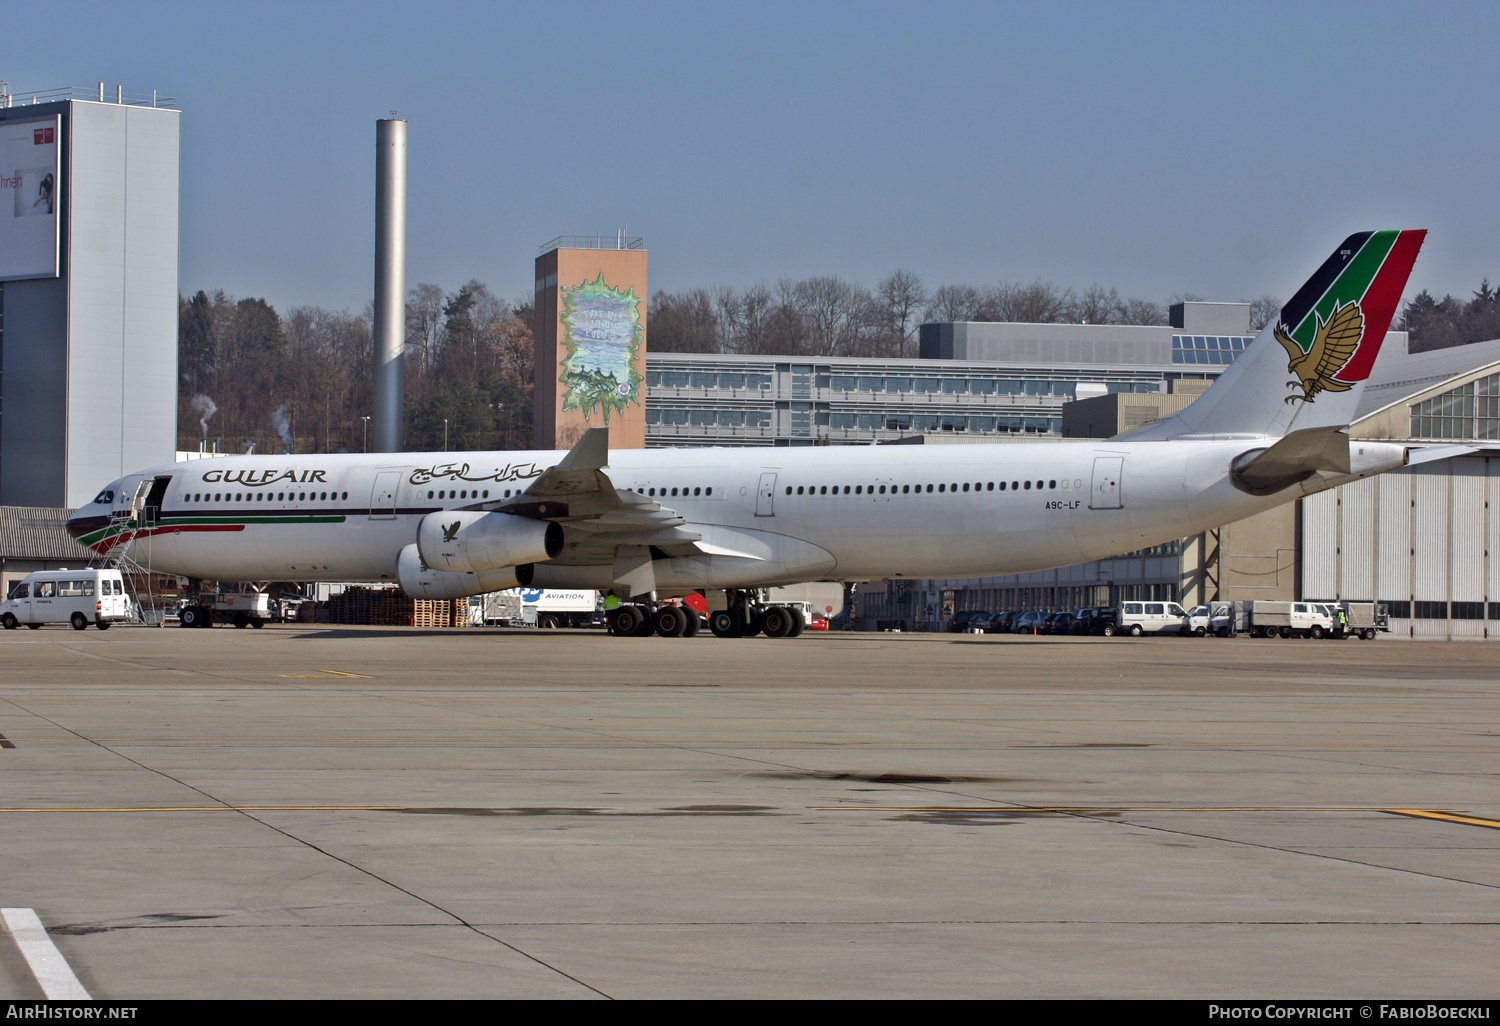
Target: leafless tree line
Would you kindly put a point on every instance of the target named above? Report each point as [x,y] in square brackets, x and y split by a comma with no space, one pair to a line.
[829,316]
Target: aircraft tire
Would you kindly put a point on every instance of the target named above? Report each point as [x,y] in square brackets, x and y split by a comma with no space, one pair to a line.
[777,622]
[726,623]
[799,622]
[669,622]
[9,621]
[647,626]
[626,621]
[694,623]
[80,622]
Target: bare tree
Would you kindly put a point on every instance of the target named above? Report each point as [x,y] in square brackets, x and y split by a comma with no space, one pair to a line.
[902,296]
[424,325]
[1040,302]
[1262,310]
[1140,311]
[1096,306]
[685,322]
[839,316]
[957,303]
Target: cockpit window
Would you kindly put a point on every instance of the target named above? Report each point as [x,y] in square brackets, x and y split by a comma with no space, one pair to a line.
[105,497]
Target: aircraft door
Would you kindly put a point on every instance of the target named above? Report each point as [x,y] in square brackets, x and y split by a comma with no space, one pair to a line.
[156,496]
[1106,489]
[383,495]
[765,496]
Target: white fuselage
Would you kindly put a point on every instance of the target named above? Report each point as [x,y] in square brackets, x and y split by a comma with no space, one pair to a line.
[862,512]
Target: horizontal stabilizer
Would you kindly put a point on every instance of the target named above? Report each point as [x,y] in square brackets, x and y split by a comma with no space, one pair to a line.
[1427,453]
[1294,457]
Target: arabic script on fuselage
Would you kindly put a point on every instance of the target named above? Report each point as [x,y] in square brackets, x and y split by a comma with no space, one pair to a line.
[462,472]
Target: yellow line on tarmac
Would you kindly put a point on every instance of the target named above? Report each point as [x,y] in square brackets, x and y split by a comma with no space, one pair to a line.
[1449,817]
[324,674]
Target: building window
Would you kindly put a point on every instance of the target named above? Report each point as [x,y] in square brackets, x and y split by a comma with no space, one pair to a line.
[1471,410]
[1432,610]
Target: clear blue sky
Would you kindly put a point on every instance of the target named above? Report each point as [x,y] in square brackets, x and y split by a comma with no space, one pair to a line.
[1209,147]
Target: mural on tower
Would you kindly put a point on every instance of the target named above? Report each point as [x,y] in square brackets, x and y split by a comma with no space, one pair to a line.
[602,338]
[592,328]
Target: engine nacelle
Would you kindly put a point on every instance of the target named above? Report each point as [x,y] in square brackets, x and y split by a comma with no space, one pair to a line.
[466,542]
[421,581]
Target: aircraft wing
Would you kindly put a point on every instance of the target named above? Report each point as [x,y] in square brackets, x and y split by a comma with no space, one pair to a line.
[597,517]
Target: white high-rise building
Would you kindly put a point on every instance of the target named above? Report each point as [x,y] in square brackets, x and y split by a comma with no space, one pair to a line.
[88,291]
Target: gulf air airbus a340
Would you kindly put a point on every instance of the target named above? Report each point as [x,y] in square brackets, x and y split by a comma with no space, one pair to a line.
[651,524]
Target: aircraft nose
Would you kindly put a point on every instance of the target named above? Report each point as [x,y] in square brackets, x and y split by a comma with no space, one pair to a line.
[85,522]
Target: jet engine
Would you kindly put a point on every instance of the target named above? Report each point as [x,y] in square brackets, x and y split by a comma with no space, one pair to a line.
[421,581]
[466,542]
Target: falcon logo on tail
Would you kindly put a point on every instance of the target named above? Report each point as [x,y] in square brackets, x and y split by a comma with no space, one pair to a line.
[1334,343]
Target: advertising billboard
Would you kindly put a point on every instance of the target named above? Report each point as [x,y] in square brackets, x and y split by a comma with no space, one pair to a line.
[30,197]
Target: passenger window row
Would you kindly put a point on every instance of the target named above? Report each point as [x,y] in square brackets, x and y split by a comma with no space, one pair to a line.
[977,486]
[463,493]
[662,492]
[264,496]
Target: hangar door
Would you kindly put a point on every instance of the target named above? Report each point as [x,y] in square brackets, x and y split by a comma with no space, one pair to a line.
[1105,493]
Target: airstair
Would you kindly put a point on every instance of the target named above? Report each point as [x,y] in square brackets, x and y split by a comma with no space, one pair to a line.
[125,526]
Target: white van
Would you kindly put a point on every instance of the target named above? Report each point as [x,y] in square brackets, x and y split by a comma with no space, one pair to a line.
[1137,618]
[79,597]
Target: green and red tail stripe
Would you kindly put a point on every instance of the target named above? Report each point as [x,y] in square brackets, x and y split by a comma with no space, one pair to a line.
[1368,268]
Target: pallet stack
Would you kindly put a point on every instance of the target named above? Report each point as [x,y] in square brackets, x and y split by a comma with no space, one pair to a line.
[390,607]
[440,613]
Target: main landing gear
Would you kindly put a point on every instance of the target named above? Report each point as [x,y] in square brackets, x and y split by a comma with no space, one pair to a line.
[745,617]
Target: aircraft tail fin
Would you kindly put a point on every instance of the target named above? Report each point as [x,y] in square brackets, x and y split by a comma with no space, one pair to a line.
[1307,367]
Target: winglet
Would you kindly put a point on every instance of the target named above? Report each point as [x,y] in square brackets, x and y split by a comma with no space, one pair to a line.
[591,452]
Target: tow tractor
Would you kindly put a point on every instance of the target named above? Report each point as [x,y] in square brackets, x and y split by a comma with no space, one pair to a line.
[243,609]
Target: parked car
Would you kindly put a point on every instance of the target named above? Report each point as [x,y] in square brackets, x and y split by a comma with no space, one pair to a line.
[1028,622]
[999,623]
[1096,620]
[1057,623]
[963,620]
